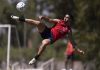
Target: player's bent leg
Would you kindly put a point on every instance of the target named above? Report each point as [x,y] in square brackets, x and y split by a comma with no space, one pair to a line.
[42,47]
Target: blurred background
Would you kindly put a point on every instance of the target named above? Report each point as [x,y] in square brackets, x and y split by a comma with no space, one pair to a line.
[25,39]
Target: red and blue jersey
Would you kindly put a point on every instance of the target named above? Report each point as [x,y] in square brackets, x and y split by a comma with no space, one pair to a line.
[59,30]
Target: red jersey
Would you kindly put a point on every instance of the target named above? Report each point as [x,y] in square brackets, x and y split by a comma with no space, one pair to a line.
[59,30]
[69,49]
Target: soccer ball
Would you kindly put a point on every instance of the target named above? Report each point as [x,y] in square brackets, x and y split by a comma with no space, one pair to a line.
[20,6]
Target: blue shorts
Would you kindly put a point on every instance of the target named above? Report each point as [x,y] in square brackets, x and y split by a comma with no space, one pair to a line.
[46,34]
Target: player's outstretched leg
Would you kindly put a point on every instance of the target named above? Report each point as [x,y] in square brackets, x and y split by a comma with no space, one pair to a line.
[37,23]
[42,47]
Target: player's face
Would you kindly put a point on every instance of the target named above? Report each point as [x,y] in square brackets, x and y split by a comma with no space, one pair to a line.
[66,18]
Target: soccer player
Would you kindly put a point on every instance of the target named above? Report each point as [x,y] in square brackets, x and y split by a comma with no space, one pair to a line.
[49,35]
[70,55]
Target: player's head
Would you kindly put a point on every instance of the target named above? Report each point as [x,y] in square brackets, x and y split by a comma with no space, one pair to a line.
[66,17]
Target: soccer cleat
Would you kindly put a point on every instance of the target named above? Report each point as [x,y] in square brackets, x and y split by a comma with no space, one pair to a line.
[14,17]
[32,61]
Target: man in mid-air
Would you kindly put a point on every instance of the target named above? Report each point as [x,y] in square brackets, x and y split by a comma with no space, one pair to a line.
[49,35]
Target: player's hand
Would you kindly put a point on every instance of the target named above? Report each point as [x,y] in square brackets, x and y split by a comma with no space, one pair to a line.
[80,51]
[32,61]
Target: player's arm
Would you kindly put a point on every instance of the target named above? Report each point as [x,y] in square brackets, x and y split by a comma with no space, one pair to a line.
[71,38]
[49,19]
